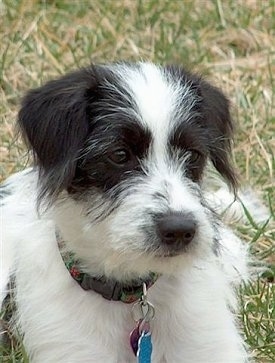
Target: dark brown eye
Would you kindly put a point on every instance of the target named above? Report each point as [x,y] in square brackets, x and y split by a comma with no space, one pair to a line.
[119,157]
[195,156]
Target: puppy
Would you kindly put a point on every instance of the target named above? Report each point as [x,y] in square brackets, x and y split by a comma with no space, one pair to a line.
[118,206]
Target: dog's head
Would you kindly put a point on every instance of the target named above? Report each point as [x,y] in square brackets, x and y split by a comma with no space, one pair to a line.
[129,145]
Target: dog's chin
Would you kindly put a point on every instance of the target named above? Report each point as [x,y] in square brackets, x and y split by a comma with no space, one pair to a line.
[169,254]
[169,261]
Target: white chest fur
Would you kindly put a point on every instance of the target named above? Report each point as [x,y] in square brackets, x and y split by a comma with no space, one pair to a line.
[63,323]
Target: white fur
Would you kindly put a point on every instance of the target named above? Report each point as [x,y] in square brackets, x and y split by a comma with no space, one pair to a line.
[194,297]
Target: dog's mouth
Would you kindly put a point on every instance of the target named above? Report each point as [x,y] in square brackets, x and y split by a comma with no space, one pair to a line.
[169,253]
[159,250]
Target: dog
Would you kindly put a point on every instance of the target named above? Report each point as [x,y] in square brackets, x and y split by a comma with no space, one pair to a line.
[118,215]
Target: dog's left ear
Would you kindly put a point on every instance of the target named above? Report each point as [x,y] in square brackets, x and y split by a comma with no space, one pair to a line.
[54,122]
[216,115]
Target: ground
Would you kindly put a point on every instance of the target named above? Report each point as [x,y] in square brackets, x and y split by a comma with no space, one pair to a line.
[229,42]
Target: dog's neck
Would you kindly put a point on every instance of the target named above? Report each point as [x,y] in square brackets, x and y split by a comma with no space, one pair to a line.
[111,289]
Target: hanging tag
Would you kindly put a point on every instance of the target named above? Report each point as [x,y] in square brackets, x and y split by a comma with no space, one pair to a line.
[134,339]
[140,338]
[136,333]
[145,348]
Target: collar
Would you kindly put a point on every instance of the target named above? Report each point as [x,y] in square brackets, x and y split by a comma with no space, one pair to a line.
[107,288]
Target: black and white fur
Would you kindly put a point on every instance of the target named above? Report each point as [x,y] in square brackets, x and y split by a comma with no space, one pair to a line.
[119,150]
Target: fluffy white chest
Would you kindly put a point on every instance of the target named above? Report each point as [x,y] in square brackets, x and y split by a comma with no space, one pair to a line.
[63,323]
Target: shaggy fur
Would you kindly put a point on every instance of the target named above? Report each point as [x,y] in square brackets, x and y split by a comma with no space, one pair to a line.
[121,153]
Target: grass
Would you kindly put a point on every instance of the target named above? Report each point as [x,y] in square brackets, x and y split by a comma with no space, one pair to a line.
[230,42]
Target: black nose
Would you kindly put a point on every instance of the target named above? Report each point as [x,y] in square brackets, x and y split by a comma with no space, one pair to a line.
[176,228]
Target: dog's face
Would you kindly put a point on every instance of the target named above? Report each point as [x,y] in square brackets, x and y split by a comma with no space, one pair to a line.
[129,143]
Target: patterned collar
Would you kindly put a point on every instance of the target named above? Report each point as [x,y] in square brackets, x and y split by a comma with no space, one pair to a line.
[109,289]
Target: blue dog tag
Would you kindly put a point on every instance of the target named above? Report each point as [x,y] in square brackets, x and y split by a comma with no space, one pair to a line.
[144,348]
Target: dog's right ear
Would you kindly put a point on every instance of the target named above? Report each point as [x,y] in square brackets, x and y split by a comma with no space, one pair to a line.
[54,124]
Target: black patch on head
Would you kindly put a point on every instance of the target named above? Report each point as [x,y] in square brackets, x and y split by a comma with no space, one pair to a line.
[96,168]
[54,124]
[74,125]
[188,141]
[113,128]
[210,132]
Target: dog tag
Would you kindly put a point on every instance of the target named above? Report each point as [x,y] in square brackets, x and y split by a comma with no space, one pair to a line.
[134,338]
[140,338]
[136,333]
[144,348]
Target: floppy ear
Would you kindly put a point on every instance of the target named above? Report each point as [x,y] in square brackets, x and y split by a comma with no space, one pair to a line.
[54,123]
[216,114]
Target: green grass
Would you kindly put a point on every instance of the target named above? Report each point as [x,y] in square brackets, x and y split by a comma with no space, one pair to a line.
[230,42]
